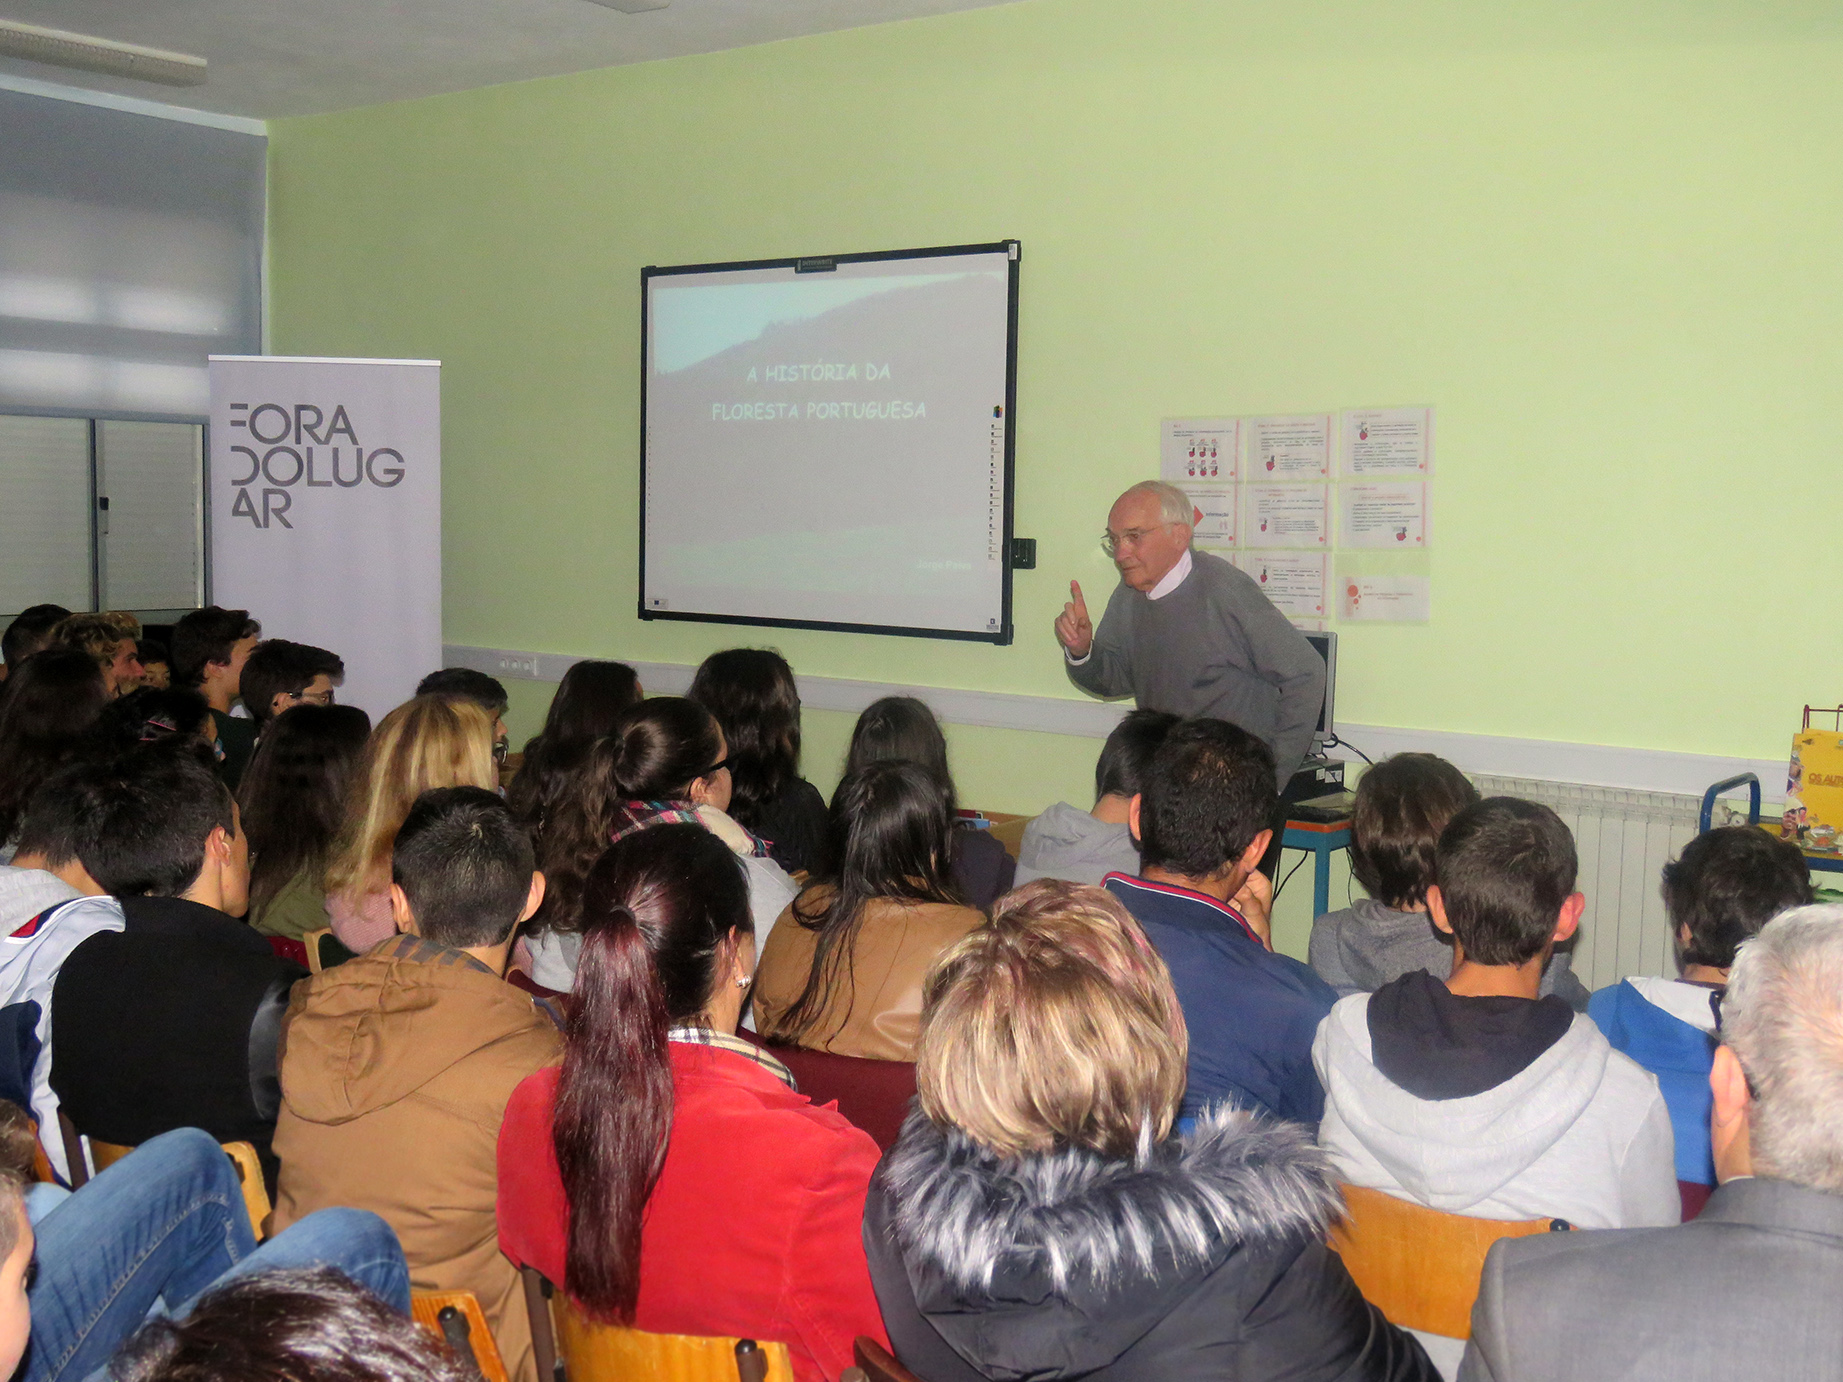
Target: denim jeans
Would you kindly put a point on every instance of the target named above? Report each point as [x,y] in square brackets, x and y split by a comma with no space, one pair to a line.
[158,1228]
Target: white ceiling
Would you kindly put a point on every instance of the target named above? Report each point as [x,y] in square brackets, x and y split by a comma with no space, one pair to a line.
[271,58]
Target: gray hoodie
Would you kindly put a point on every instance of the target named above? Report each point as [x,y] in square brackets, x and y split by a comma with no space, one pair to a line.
[1066,842]
[1581,1133]
[1367,945]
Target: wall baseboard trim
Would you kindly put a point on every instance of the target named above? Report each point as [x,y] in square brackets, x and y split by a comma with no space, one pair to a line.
[1596,765]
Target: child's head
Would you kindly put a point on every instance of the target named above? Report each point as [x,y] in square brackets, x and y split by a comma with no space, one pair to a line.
[17,1145]
[1504,881]
[1725,886]
[1403,803]
[463,870]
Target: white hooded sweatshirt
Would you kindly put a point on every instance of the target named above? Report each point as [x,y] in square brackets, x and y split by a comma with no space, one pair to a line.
[1581,1133]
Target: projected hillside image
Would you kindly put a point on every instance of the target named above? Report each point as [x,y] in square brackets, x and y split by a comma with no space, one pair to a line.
[830,448]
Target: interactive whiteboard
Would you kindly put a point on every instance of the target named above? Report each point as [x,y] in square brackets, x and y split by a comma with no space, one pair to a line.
[827,443]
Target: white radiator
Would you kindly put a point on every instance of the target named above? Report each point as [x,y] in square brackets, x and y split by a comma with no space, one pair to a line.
[1624,839]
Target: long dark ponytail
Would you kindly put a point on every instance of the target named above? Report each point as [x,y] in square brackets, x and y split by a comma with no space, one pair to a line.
[658,910]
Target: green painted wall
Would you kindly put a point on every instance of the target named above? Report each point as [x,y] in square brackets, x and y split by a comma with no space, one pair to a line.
[1602,241]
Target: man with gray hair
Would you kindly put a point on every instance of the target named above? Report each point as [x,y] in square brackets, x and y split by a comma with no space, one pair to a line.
[1752,1287]
[1186,632]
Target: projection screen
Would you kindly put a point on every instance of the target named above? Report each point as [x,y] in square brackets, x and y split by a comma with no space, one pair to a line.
[827,442]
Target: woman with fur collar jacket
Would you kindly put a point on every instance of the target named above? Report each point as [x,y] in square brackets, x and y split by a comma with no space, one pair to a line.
[1037,1219]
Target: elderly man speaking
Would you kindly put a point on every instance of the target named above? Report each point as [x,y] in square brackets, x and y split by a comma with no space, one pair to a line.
[1187,633]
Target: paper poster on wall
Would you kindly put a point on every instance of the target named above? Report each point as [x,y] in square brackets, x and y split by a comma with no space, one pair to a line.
[1380,442]
[1212,511]
[1384,599]
[1289,448]
[1286,515]
[1294,581]
[1199,449]
[1392,516]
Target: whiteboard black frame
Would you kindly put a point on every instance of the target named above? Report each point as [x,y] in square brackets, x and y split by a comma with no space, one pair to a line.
[1013,252]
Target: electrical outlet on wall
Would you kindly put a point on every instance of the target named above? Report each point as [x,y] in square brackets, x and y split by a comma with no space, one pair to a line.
[517,665]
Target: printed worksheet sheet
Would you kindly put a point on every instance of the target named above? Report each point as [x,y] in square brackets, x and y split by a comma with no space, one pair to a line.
[1385,599]
[1289,448]
[1286,516]
[1195,450]
[1380,442]
[1295,581]
[1212,510]
[1390,516]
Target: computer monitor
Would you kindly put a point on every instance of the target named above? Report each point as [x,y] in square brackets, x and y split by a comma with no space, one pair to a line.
[1325,645]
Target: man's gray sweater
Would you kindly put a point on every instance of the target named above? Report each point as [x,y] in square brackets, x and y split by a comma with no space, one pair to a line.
[1215,646]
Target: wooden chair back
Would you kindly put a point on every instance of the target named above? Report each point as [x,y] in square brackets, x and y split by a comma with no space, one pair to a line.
[311,942]
[876,1364]
[1421,1266]
[455,1317]
[571,1347]
[103,1155]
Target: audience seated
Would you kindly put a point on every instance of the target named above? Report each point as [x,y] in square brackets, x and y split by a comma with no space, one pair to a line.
[279,674]
[170,1022]
[842,970]
[1403,803]
[1080,846]
[49,905]
[489,693]
[397,1065]
[425,743]
[903,727]
[293,800]
[156,664]
[30,632]
[752,694]
[1725,887]
[1202,821]
[589,699]
[150,1233]
[109,640]
[669,1176]
[210,648]
[1750,1288]
[1475,1095]
[1038,1218]
[303,1325]
[52,700]
[664,762]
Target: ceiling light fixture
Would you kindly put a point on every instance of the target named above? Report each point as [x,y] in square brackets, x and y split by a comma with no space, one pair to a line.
[61,49]
[632,6]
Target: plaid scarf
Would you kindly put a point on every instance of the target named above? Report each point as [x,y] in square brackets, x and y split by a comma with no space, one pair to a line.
[709,1036]
[643,815]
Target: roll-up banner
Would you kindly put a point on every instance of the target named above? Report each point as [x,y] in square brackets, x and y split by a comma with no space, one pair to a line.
[325,510]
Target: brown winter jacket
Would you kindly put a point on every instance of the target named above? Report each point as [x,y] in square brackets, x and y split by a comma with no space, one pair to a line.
[396,1068]
[876,1010]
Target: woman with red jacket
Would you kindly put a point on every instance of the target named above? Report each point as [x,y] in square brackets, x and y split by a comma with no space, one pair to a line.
[668,1176]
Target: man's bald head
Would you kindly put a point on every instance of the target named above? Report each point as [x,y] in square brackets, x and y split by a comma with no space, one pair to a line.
[1149,527]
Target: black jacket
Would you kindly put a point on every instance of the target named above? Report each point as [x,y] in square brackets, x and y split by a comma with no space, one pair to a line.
[793,822]
[171,1023]
[1207,1261]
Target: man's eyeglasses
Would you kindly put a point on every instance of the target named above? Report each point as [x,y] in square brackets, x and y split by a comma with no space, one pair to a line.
[312,697]
[1111,543]
[502,749]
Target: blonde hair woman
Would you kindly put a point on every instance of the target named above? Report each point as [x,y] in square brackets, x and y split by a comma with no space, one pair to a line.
[1039,1216]
[429,742]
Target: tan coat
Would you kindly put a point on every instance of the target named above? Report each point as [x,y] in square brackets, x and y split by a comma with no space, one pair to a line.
[396,1068]
[878,1013]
